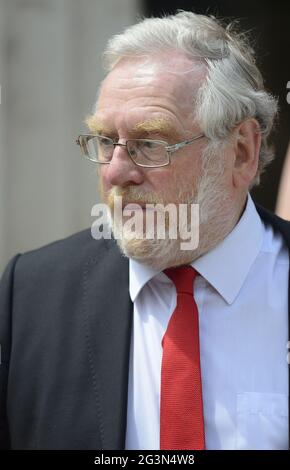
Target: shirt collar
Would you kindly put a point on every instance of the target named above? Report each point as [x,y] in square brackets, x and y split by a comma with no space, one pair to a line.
[139,275]
[225,267]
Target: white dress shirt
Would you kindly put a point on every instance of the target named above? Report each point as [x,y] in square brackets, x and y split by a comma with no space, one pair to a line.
[242,298]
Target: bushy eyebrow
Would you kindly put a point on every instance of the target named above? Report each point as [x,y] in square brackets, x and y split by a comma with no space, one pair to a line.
[156,125]
[95,125]
[159,125]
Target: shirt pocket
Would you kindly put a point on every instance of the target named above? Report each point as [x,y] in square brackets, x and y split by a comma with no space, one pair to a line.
[262,421]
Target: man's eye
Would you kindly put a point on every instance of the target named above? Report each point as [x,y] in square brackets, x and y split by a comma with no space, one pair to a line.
[104,141]
[150,145]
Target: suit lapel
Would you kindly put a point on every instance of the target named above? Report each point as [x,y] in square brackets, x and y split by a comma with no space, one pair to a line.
[107,310]
[283,227]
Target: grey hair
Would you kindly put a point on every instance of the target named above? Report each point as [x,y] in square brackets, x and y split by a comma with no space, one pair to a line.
[233,89]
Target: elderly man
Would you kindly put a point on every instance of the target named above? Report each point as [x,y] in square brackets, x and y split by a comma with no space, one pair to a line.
[136,342]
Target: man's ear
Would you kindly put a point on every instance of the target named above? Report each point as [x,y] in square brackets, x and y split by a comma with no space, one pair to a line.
[247,145]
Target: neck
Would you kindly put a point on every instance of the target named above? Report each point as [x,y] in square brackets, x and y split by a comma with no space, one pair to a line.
[219,227]
[213,232]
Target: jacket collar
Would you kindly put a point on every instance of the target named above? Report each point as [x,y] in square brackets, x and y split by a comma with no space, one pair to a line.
[107,314]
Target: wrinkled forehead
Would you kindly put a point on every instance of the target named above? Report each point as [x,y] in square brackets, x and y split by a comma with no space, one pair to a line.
[161,87]
[173,71]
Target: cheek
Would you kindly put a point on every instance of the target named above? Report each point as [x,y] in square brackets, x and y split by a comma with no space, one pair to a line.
[187,172]
[104,183]
[181,172]
[160,180]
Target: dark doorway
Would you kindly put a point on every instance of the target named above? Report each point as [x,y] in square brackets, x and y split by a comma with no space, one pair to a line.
[269,23]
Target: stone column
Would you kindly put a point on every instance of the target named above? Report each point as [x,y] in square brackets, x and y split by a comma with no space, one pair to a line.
[52,65]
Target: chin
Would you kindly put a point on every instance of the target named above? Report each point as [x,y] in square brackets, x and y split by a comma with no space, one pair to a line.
[158,254]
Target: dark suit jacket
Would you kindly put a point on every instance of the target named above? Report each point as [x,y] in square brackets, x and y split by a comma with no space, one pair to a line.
[65,329]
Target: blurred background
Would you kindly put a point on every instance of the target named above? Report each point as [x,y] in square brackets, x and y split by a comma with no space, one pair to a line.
[50,69]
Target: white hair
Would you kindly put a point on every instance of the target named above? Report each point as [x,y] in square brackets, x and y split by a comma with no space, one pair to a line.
[233,89]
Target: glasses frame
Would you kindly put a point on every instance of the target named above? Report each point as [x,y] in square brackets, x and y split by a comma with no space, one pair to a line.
[169,148]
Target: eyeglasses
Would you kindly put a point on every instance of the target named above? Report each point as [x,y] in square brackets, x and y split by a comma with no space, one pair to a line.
[143,152]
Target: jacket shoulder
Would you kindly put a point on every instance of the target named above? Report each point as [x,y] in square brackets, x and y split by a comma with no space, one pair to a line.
[278,224]
[63,257]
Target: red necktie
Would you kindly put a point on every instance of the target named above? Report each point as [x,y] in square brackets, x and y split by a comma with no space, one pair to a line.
[181,408]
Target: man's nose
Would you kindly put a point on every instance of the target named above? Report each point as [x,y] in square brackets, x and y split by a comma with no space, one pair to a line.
[122,171]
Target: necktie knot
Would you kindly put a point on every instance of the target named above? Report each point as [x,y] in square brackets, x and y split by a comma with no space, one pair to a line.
[183,278]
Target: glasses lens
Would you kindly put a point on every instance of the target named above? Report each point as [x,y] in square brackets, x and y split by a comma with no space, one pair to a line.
[103,148]
[147,152]
[97,148]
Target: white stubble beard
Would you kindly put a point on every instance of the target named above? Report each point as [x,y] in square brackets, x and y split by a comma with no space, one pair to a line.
[215,221]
